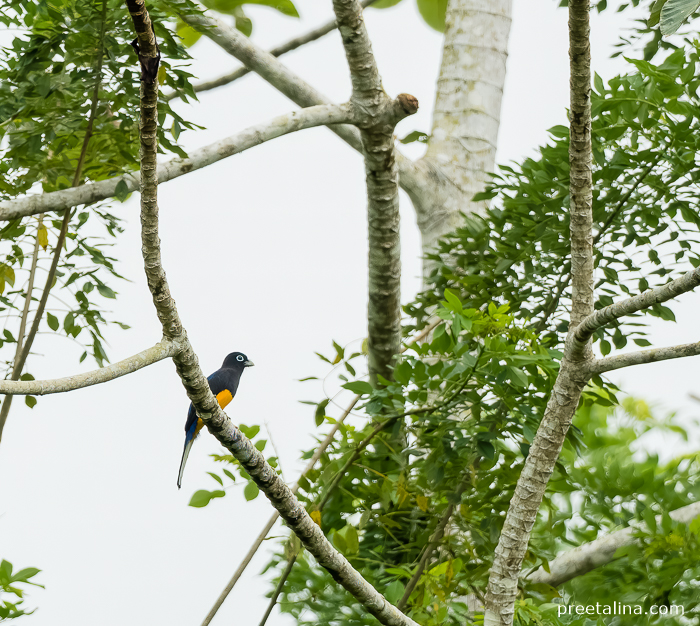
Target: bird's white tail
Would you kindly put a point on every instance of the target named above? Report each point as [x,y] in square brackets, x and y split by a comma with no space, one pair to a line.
[185,454]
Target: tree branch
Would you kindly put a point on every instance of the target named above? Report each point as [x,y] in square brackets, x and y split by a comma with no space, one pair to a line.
[162,350]
[643,356]
[7,404]
[213,153]
[273,518]
[377,121]
[196,384]
[290,45]
[435,539]
[423,179]
[311,464]
[599,552]
[572,377]
[602,317]
[21,358]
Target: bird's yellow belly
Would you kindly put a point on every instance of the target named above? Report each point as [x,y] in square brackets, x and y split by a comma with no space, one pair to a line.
[223,397]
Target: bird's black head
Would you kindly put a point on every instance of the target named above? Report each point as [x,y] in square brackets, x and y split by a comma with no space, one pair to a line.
[237,360]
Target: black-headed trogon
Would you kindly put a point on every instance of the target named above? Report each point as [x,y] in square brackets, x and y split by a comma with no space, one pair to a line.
[223,384]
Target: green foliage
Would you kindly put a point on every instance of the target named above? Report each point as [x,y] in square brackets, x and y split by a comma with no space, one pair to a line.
[673,13]
[11,585]
[645,188]
[48,75]
[233,471]
[473,396]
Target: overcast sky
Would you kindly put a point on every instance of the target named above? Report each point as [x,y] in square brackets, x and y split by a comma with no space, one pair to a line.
[266,254]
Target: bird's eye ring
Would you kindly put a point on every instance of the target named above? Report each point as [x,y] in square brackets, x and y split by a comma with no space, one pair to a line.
[239,358]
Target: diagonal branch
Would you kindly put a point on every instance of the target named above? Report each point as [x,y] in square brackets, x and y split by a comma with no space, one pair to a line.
[290,45]
[275,516]
[22,356]
[310,465]
[162,350]
[235,144]
[435,539]
[415,178]
[187,364]
[599,552]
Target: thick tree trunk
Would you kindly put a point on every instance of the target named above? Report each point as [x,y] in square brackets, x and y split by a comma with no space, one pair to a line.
[462,147]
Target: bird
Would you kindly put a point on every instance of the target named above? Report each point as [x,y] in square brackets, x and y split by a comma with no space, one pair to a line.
[223,384]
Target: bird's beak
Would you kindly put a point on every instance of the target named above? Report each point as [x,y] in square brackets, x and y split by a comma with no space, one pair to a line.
[249,364]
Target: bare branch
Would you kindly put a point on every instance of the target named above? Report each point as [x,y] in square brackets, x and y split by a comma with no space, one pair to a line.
[643,356]
[599,552]
[418,179]
[197,387]
[377,134]
[603,317]
[162,350]
[292,44]
[235,144]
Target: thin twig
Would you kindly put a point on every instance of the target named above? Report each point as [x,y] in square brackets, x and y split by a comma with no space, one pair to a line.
[278,589]
[435,539]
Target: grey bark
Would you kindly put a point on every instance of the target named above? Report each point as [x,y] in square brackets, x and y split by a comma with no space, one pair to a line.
[600,552]
[213,153]
[290,45]
[572,377]
[160,351]
[187,365]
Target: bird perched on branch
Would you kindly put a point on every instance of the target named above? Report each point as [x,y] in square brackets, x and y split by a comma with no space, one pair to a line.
[223,384]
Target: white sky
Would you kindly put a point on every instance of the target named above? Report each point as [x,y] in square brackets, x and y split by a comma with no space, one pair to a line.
[266,254]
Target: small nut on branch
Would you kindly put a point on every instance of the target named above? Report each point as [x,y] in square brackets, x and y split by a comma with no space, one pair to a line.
[408,102]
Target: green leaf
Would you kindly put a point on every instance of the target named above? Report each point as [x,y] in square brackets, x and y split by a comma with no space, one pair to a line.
[188,35]
[286,7]
[416,135]
[359,386]
[25,574]
[352,541]
[675,12]
[486,449]
[202,497]
[251,491]
[216,477]
[105,291]
[394,592]
[52,321]
[433,12]
[384,4]
[30,401]
[121,191]
[321,411]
